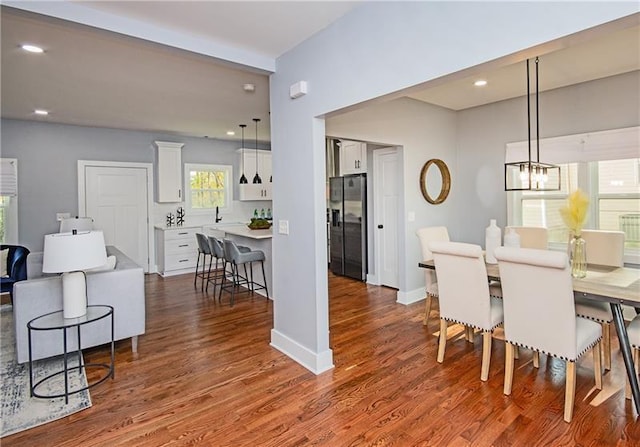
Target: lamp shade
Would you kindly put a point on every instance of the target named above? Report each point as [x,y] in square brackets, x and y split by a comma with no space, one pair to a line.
[68,252]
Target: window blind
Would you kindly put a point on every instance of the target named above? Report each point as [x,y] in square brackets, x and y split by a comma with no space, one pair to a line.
[616,144]
[8,177]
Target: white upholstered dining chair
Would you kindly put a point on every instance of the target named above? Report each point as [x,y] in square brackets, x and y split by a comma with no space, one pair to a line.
[539,314]
[426,235]
[532,237]
[464,295]
[603,248]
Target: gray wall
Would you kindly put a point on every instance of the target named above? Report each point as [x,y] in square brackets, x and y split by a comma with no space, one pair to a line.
[472,143]
[48,170]
[483,132]
[377,49]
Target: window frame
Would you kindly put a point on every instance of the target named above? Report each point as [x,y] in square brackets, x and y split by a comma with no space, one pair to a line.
[588,182]
[11,235]
[228,189]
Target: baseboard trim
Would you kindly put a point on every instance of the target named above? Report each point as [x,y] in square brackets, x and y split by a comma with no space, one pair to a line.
[317,363]
[410,297]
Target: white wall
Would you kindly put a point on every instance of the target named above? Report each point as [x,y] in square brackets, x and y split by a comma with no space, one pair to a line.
[48,157]
[424,131]
[483,132]
[472,143]
[376,49]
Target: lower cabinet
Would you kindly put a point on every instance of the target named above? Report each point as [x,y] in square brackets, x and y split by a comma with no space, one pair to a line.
[176,250]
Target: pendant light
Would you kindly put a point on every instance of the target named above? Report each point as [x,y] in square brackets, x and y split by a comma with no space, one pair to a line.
[532,175]
[243,179]
[256,178]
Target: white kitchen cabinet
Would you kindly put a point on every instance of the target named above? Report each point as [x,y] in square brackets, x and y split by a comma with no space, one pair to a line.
[177,250]
[169,169]
[353,157]
[256,191]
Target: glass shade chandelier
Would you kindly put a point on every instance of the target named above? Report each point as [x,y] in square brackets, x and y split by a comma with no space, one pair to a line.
[530,174]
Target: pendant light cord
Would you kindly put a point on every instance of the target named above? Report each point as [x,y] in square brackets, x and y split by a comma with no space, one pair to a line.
[256,178]
[243,179]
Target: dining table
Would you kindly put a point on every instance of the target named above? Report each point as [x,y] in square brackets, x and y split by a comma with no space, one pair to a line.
[614,285]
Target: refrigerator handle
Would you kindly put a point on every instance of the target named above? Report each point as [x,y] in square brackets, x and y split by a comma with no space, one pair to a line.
[335,218]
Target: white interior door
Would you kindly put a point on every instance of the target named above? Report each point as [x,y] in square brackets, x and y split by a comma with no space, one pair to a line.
[386,215]
[116,198]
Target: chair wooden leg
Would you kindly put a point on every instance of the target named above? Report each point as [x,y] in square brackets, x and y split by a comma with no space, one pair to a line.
[627,387]
[469,333]
[486,355]
[427,309]
[516,352]
[443,339]
[606,345]
[597,364]
[536,359]
[570,391]
[508,367]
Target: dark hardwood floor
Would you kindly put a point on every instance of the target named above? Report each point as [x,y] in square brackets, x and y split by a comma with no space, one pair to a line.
[206,375]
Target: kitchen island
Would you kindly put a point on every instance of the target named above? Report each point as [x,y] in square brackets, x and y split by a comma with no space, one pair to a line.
[254,239]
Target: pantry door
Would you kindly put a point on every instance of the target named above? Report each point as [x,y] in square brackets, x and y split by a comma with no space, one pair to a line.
[117,197]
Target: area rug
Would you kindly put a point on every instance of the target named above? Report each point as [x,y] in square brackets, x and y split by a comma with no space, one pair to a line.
[19,411]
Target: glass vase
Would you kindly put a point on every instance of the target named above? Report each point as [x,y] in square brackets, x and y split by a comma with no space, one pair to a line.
[578,257]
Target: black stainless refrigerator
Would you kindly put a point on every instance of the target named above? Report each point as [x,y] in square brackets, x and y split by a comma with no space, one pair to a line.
[348,225]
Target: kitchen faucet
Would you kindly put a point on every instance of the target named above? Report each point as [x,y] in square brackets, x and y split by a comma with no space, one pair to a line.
[218,217]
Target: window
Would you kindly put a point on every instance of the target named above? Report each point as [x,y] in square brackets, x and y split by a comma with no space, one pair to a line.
[613,187]
[8,201]
[208,187]
[618,200]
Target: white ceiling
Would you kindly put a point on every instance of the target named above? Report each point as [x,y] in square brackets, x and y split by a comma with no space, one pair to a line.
[93,77]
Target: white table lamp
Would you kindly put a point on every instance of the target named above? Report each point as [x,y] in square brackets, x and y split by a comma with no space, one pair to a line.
[69,254]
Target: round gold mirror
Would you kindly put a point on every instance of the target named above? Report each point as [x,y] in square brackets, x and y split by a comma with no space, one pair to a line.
[435,180]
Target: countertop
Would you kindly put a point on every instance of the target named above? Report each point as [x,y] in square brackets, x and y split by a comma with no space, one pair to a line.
[176,227]
[244,231]
[240,229]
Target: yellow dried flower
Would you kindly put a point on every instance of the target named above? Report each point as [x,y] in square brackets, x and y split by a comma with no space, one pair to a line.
[575,213]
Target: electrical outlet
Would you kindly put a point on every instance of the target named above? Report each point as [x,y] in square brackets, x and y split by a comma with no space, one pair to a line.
[60,216]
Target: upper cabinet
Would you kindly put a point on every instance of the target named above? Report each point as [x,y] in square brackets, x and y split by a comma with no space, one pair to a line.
[260,160]
[353,157]
[169,167]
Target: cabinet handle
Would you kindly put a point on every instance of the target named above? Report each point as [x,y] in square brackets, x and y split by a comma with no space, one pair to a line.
[179,193]
[183,260]
[183,233]
[183,245]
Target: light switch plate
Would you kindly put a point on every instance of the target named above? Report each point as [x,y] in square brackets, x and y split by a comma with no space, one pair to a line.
[283,226]
[60,216]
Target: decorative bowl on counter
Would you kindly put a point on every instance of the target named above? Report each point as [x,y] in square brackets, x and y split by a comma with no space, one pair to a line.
[259,224]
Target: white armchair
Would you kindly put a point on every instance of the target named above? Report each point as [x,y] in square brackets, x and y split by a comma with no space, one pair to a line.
[464,295]
[426,235]
[537,287]
[603,248]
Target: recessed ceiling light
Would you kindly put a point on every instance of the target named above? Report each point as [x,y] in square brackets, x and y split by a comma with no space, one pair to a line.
[480,83]
[230,132]
[41,112]
[249,88]
[32,48]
